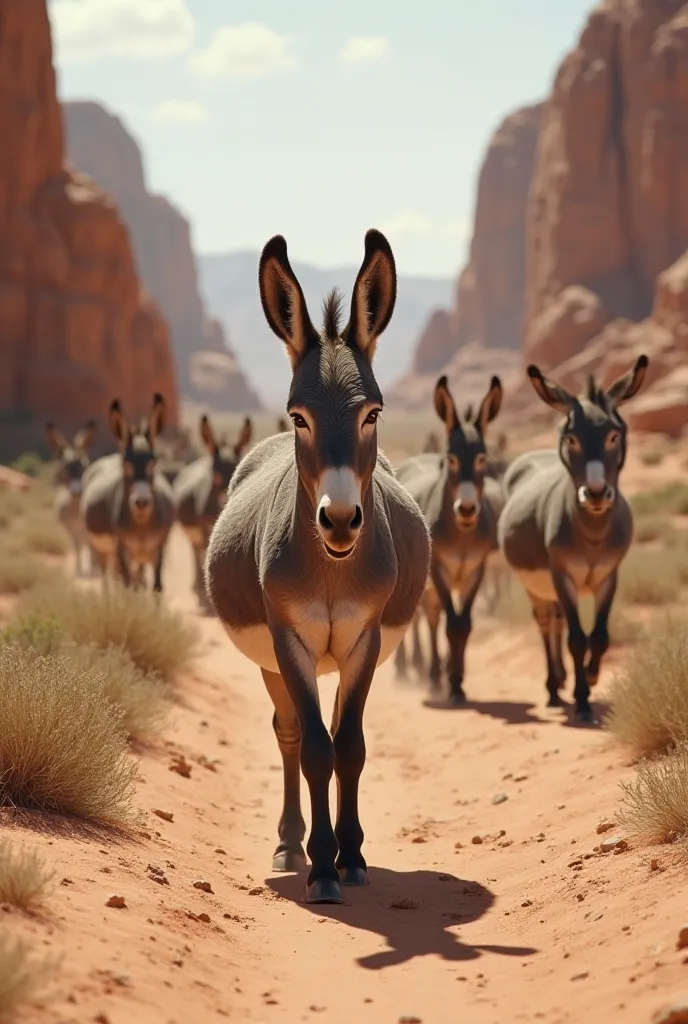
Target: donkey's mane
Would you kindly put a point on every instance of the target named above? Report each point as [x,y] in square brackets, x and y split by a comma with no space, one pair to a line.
[595,393]
[332,314]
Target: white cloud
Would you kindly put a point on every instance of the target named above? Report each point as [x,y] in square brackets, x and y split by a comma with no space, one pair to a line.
[180,112]
[249,50]
[415,225]
[362,49]
[88,30]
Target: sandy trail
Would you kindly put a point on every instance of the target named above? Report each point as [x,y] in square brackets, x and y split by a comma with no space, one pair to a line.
[526,925]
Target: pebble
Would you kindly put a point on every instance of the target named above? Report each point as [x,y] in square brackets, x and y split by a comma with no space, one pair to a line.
[101,1018]
[404,903]
[203,884]
[410,1019]
[181,766]
[157,874]
[118,902]
[500,798]
[654,864]
[677,1013]
[419,839]
[604,826]
[477,840]
[256,890]
[165,815]
[682,941]
[580,977]
[615,843]
[205,918]
[221,851]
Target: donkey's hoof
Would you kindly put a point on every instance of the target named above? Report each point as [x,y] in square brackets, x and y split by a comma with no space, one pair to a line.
[585,716]
[457,699]
[324,890]
[353,876]
[554,701]
[289,860]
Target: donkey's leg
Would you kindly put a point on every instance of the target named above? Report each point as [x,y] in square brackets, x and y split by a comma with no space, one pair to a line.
[122,562]
[599,638]
[157,569]
[557,641]
[458,632]
[543,613]
[400,660]
[289,855]
[317,758]
[356,675]
[578,644]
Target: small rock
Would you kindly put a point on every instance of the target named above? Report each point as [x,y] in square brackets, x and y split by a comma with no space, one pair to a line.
[654,864]
[614,843]
[500,798]
[604,826]
[202,884]
[527,903]
[118,902]
[410,1019]
[205,918]
[221,851]
[580,896]
[682,941]
[477,840]
[165,815]
[181,766]
[256,890]
[101,1018]
[419,839]
[458,846]
[157,874]
[677,1013]
[404,903]
[580,977]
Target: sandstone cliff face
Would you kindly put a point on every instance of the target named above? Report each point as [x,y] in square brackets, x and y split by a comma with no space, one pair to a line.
[75,329]
[99,143]
[609,201]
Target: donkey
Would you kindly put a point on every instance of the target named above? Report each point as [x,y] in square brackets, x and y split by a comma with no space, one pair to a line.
[73,461]
[566,527]
[128,507]
[200,491]
[461,507]
[320,557]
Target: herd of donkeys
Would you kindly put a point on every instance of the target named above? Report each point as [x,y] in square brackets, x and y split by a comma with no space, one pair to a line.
[318,555]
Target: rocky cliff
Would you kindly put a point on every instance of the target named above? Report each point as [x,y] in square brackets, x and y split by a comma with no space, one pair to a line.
[609,202]
[75,327]
[100,144]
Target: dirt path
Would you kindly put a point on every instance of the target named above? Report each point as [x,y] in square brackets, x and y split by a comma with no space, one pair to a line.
[525,925]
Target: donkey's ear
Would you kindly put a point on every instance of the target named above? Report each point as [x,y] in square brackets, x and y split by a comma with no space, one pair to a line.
[444,404]
[374,295]
[245,435]
[283,302]
[55,439]
[84,439]
[490,405]
[550,393]
[118,424]
[156,420]
[207,435]
[629,385]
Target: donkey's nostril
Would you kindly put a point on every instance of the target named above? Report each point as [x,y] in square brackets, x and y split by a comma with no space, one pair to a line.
[357,521]
[323,519]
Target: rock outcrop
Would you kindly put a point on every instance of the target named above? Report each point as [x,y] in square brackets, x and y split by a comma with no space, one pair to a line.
[75,327]
[99,143]
[609,201]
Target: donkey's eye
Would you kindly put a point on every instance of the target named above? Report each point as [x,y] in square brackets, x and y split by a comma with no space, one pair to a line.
[298,421]
[453,462]
[480,462]
[612,439]
[371,418]
[572,442]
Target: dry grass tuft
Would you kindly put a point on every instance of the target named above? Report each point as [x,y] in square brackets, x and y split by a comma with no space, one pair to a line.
[649,699]
[22,976]
[24,878]
[62,743]
[40,534]
[652,577]
[672,499]
[624,631]
[648,529]
[655,804]
[158,640]
[20,572]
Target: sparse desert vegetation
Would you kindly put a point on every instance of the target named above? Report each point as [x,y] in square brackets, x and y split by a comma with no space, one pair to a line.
[62,744]
[670,499]
[655,804]
[652,577]
[23,974]
[24,876]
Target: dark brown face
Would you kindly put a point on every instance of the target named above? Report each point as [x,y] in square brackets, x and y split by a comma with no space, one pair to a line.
[592,441]
[73,463]
[466,453]
[225,458]
[334,401]
[139,458]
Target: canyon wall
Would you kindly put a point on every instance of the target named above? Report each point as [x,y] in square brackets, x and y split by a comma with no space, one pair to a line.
[76,329]
[99,144]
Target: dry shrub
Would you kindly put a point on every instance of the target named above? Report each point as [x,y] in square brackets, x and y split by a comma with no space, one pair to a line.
[652,577]
[41,534]
[624,631]
[62,744]
[158,640]
[23,976]
[653,457]
[649,698]
[24,878]
[655,803]
[671,499]
[652,528]
[20,572]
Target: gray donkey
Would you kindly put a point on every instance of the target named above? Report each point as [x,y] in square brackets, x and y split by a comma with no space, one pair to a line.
[127,505]
[461,506]
[73,462]
[200,491]
[319,558]
[566,526]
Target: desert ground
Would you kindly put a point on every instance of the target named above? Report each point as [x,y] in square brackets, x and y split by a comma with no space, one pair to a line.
[490,897]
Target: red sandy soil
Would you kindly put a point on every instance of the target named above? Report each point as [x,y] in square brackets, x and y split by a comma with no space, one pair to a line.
[527,925]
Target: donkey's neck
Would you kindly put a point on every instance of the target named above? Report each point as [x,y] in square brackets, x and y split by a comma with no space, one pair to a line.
[594,528]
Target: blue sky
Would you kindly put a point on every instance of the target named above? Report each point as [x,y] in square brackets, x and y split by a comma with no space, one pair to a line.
[312,119]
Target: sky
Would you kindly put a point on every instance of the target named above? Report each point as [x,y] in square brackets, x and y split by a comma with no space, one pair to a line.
[316,120]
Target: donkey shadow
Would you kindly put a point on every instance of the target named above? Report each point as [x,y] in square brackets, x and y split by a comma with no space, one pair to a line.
[412,911]
[511,712]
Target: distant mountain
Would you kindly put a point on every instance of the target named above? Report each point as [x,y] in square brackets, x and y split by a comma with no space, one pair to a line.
[229,284]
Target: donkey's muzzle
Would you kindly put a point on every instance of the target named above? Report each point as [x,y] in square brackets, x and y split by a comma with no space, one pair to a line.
[339,527]
[596,498]
[467,506]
